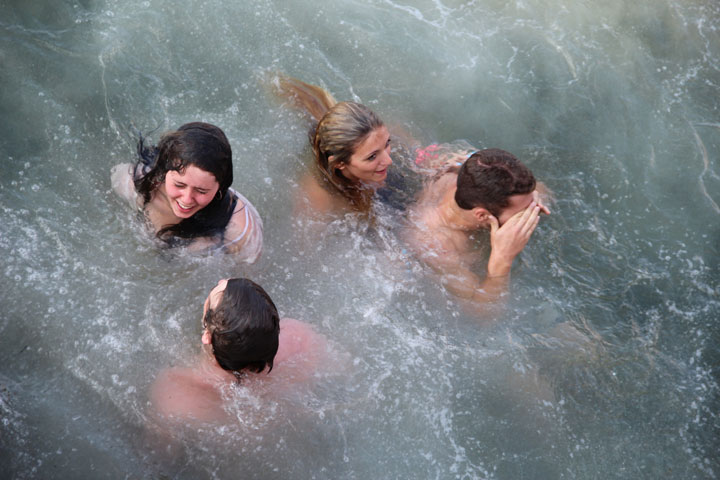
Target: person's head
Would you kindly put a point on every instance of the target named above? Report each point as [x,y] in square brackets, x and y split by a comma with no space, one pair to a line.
[351,144]
[494,182]
[241,324]
[193,165]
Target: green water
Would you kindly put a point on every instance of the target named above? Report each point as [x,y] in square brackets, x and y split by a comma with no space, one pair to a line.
[604,366]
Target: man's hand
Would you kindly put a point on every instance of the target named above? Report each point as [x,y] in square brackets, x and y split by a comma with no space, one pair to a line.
[542,196]
[507,242]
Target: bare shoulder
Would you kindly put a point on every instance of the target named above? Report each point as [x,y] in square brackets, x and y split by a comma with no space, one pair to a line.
[302,353]
[298,338]
[424,227]
[313,198]
[427,235]
[437,247]
[121,179]
[181,393]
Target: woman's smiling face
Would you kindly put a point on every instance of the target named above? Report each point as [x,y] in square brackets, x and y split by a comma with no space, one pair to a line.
[371,159]
[190,190]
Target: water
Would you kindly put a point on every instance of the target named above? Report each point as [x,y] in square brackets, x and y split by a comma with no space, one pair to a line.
[606,362]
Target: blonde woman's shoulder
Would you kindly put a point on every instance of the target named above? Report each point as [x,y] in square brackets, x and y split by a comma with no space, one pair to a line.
[312,198]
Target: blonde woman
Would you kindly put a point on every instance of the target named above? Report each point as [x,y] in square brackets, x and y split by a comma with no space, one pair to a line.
[351,146]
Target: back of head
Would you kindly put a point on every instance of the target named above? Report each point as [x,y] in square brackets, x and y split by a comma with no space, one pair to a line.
[489,177]
[244,327]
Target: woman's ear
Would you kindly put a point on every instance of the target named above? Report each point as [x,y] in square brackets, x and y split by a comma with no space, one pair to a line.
[206,337]
[339,166]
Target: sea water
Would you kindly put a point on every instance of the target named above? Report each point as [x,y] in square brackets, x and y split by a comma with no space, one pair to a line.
[603,365]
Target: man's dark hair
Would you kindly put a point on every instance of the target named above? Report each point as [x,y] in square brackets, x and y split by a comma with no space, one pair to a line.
[489,177]
[245,327]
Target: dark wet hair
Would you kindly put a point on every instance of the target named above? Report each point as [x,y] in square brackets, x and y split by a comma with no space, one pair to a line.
[244,327]
[489,177]
[199,144]
[341,127]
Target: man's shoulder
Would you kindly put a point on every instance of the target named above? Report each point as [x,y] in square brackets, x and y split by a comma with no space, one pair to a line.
[183,393]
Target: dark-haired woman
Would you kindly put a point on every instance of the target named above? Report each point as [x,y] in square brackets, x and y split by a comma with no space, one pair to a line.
[182,186]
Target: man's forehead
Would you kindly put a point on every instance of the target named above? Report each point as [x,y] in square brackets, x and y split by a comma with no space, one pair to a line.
[521,200]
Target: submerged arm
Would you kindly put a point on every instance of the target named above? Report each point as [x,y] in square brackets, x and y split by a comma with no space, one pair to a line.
[506,243]
[457,277]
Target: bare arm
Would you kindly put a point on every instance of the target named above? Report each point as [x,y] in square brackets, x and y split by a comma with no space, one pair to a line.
[183,395]
[506,243]
[459,279]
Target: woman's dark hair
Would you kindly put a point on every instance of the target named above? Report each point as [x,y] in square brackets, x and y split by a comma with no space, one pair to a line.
[489,177]
[199,144]
[244,327]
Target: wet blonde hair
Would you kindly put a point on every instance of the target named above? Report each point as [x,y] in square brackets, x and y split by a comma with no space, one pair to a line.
[340,128]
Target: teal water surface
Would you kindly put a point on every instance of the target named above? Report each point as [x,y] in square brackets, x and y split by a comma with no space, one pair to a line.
[605,364]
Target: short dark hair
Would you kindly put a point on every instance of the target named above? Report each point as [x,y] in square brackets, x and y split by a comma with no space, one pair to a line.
[244,327]
[489,177]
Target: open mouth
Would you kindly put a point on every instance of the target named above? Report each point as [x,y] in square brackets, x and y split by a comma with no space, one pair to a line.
[183,208]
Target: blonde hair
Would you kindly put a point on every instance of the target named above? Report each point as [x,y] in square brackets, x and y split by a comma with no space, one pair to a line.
[340,128]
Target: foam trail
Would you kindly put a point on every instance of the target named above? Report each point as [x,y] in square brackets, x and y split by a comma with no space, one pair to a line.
[566,56]
[706,166]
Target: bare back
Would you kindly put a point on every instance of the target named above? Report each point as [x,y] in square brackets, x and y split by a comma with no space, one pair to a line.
[198,394]
[428,235]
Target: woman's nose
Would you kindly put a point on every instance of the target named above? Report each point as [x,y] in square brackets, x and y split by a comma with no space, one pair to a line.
[388,159]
